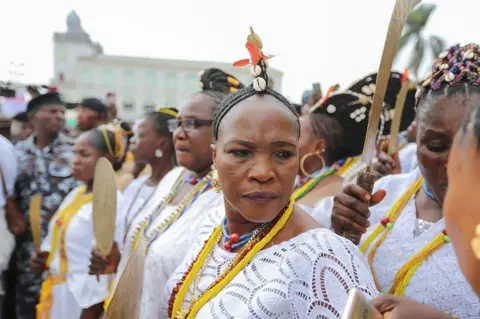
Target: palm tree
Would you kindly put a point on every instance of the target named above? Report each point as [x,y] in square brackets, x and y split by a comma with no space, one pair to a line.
[413,32]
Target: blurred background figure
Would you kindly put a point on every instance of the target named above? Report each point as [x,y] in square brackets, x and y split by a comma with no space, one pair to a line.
[91,113]
[20,128]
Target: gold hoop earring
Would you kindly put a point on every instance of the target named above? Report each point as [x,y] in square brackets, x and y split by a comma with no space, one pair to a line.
[215,182]
[476,242]
[302,162]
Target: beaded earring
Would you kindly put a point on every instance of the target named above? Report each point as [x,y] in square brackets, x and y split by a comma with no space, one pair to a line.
[215,182]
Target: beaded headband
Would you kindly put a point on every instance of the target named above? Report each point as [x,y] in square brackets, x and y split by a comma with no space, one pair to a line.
[257,60]
[168,111]
[458,64]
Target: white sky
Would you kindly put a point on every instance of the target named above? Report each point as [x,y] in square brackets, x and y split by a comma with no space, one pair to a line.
[329,41]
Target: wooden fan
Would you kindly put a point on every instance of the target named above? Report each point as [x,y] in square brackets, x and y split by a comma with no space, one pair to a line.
[104,206]
[34,214]
[125,303]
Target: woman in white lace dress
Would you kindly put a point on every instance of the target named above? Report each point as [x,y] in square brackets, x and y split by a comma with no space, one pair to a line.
[267,258]
[183,197]
[68,291]
[405,241]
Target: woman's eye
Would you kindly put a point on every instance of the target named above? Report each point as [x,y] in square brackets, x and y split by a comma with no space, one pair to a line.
[240,153]
[284,155]
[436,146]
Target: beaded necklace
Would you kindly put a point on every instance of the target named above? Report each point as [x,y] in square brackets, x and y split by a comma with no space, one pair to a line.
[350,166]
[203,185]
[127,214]
[404,275]
[157,209]
[307,184]
[429,193]
[256,243]
[233,241]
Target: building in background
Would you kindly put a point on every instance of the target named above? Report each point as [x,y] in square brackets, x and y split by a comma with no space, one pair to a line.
[81,69]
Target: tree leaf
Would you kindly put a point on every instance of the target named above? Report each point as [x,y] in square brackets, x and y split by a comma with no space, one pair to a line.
[407,36]
[437,45]
[417,57]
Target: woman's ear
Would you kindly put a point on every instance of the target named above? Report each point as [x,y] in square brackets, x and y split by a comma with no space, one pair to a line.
[320,145]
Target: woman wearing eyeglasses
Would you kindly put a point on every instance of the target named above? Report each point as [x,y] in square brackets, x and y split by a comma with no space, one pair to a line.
[182,199]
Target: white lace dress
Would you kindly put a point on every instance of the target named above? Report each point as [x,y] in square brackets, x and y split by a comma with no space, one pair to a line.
[439,280]
[308,276]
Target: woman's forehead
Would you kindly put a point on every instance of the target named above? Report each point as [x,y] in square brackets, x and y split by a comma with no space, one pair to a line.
[256,119]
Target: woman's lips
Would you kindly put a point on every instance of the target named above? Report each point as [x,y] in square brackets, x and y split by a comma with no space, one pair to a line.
[261,197]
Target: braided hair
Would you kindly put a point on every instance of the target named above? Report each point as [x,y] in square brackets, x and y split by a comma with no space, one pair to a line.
[217,84]
[258,87]
[456,71]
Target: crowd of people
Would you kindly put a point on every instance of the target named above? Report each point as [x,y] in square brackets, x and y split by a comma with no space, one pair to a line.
[246,204]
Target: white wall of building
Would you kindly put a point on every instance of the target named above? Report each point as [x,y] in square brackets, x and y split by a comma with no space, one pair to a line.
[81,70]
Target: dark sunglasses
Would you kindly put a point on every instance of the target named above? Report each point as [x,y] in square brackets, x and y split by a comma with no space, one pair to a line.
[187,124]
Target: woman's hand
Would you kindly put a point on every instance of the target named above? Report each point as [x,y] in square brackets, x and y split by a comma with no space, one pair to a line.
[394,307]
[351,210]
[386,165]
[38,262]
[101,265]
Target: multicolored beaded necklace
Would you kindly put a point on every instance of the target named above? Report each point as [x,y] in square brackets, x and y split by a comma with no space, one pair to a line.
[233,241]
[259,239]
[156,211]
[128,223]
[307,183]
[145,225]
[193,180]
[203,185]
[404,275]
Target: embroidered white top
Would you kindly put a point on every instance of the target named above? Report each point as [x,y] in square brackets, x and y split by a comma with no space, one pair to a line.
[308,276]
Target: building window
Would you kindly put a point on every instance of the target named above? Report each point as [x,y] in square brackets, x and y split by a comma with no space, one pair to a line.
[129,78]
[86,76]
[192,83]
[149,107]
[128,105]
[151,78]
[171,82]
[108,77]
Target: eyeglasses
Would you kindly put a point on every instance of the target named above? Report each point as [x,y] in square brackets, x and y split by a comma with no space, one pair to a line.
[187,124]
